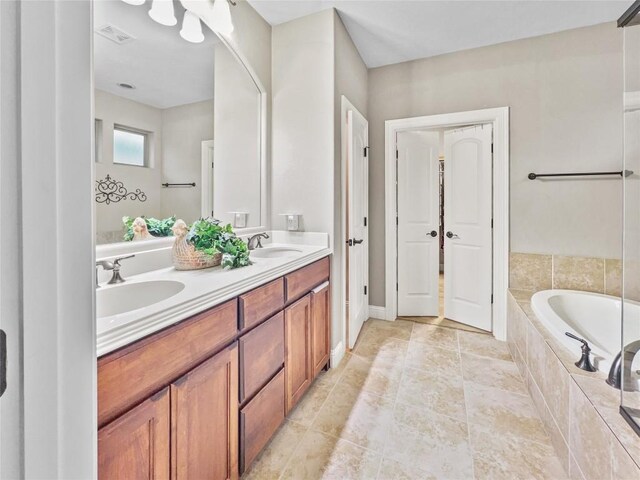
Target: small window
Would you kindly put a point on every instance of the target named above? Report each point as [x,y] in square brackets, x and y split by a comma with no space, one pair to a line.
[130,146]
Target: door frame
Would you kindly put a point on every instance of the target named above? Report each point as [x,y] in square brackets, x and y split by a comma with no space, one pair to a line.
[499,118]
[345,106]
[206,176]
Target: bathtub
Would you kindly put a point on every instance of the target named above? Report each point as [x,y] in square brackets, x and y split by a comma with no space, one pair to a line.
[592,316]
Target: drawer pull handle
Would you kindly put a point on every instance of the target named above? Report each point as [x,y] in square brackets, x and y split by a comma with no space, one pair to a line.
[319,288]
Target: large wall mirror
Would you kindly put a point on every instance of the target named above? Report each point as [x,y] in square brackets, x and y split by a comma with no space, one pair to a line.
[178,123]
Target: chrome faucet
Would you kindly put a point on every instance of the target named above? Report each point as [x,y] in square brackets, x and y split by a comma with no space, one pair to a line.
[112,266]
[625,357]
[255,241]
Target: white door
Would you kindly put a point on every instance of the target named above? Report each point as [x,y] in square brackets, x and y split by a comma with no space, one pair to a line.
[418,223]
[357,235]
[467,223]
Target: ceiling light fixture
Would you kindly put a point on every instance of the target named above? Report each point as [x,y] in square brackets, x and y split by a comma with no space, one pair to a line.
[221,21]
[191,29]
[162,12]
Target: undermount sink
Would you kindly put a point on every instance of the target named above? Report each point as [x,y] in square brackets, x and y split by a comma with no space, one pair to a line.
[275,252]
[132,296]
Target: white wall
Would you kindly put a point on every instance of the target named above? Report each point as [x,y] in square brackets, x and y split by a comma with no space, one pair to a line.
[236,152]
[565,94]
[314,64]
[184,128]
[303,116]
[11,415]
[351,81]
[55,200]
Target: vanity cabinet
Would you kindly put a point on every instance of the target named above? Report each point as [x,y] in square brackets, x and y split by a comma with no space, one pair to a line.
[189,428]
[320,328]
[203,397]
[204,412]
[298,358]
[136,445]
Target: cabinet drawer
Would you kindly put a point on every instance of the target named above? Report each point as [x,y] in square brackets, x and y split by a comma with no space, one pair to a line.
[261,303]
[302,281]
[261,355]
[128,376]
[260,419]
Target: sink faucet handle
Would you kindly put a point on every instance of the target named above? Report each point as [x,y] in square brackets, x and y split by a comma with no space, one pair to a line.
[116,277]
[119,259]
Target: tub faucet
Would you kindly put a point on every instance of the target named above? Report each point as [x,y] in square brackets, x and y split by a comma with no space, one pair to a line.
[585,362]
[625,357]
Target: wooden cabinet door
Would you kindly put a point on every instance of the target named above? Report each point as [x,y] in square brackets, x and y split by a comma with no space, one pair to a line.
[297,363]
[136,445]
[204,420]
[320,327]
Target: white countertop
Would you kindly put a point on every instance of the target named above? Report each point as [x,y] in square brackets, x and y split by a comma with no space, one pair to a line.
[203,289]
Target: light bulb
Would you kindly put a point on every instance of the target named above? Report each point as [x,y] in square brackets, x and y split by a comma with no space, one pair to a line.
[134,2]
[191,29]
[162,12]
[221,17]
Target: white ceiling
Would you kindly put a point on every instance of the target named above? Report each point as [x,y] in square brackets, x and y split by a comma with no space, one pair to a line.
[166,70]
[393,31]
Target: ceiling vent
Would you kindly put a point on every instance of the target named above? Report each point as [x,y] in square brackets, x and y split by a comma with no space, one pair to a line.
[115,34]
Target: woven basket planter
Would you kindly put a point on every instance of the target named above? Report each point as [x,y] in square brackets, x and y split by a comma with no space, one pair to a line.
[185,256]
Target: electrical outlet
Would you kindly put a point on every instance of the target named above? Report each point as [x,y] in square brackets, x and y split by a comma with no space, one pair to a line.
[240,220]
[292,222]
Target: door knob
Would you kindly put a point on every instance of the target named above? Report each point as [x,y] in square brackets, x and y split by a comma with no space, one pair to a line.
[352,241]
[433,233]
[452,235]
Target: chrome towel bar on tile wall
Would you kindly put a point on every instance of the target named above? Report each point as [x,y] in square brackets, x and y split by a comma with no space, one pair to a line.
[169,185]
[533,176]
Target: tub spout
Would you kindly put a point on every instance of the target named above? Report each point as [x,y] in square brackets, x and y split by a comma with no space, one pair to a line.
[624,358]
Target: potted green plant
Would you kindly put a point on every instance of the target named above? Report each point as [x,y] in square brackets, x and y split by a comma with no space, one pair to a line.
[207,243]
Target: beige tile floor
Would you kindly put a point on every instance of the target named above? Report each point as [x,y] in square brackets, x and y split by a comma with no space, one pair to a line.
[414,401]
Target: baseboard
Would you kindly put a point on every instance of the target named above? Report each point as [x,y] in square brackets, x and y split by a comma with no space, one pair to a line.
[379,313]
[337,354]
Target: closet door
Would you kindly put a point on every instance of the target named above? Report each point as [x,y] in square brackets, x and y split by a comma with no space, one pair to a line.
[418,223]
[467,220]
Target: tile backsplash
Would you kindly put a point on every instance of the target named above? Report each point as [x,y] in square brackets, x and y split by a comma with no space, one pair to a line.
[535,272]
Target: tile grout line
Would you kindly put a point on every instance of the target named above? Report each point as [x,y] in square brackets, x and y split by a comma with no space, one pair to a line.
[395,401]
[308,428]
[466,411]
[544,400]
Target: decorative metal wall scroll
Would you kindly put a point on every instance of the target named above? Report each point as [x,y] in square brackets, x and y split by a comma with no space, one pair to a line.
[110,190]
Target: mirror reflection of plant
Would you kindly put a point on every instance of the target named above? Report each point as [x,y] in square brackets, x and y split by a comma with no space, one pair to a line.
[208,236]
[156,227]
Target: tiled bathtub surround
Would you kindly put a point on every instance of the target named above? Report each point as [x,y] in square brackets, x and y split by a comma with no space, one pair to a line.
[529,271]
[579,410]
